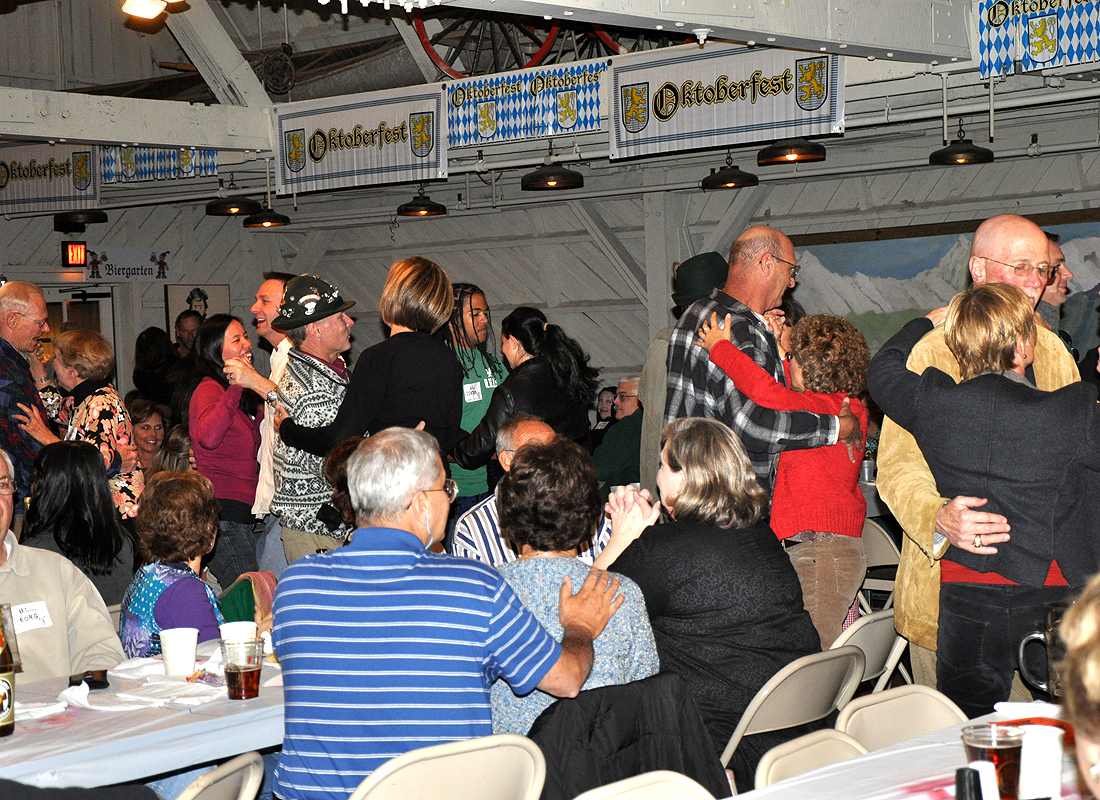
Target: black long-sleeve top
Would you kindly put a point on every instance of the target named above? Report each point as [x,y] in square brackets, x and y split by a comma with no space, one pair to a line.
[397,383]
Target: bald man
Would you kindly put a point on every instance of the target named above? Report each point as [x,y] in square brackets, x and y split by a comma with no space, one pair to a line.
[477,532]
[761,268]
[1008,249]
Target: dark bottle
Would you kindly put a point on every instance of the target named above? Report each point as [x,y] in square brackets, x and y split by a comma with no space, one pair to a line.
[7,688]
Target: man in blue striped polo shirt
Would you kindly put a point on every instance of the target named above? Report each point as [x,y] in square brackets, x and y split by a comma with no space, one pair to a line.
[387,647]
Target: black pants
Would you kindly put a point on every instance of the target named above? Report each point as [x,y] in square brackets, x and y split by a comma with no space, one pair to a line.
[979,635]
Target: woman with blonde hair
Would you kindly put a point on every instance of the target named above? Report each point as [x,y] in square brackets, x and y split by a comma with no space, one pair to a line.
[83,362]
[1080,680]
[724,601]
[408,378]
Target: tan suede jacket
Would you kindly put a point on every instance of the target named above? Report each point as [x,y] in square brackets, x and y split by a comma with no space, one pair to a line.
[906,485]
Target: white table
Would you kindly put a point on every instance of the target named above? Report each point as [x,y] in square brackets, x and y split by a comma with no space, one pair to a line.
[86,748]
[918,769]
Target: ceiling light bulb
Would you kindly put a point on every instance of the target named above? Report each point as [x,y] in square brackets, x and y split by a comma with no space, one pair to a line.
[145,9]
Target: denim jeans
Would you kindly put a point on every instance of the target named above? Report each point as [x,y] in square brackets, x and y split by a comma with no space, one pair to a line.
[269,548]
[831,571]
[234,552]
[980,631]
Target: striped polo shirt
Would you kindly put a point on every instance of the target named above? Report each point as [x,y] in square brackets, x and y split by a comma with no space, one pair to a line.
[387,647]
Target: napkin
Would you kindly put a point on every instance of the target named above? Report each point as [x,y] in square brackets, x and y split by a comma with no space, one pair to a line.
[1035,709]
[28,711]
[103,701]
[136,669]
[176,692]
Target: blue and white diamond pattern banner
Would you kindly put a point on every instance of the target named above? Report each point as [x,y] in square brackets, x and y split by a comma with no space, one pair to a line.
[528,104]
[1036,34]
[133,164]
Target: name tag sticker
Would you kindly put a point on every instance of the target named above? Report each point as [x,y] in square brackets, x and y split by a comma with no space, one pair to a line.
[29,616]
[472,392]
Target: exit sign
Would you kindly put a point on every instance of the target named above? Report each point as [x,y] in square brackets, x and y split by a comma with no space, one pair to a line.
[75,254]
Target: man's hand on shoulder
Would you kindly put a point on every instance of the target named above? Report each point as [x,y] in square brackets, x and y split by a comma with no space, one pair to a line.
[851,435]
[970,530]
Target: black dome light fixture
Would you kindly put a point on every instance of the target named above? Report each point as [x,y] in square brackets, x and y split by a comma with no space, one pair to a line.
[961,151]
[75,221]
[790,151]
[268,217]
[728,177]
[232,205]
[551,176]
[421,206]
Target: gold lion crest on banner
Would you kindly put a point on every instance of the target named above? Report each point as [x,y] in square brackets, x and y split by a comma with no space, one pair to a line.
[1041,37]
[82,170]
[635,106]
[566,111]
[422,128]
[811,85]
[487,119]
[294,143]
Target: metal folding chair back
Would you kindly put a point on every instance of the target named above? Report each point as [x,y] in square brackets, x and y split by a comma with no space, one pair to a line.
[882,647]
[817,749]
[657,785]
[236,779]
[885,718]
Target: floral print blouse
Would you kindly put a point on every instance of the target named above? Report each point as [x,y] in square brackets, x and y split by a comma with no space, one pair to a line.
[97,415]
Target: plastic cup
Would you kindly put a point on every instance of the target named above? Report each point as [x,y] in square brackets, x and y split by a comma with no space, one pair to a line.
[177,645]
[1041,762]
[999,745]
[243,661]
[238,631]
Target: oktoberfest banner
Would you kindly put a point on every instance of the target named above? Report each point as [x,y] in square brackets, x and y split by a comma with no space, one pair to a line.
[529,104]
[1036,34]
[362,139]
[719,96]
[111,264]
[133,164]
[43,177]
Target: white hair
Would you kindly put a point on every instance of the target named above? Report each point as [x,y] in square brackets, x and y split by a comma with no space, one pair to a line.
[387,469]
[11,466]
[18,296]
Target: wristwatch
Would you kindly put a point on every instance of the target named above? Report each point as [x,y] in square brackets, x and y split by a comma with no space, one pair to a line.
[273,397]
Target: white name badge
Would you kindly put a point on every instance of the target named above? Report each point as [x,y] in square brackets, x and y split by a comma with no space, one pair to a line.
[28,616]
[472,392]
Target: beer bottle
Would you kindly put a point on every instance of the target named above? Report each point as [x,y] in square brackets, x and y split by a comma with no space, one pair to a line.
[7,687]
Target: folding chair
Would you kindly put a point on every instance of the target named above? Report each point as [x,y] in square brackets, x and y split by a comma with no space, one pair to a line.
[817,749]
[657,785]
[805,690]
[886,718]
[882,561]
[504,767]
[237,779]
[881,645]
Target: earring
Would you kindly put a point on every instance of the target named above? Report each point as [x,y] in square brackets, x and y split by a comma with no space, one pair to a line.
[1094,772]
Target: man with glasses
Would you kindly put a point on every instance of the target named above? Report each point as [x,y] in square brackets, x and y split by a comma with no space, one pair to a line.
[23,323]
[762,267]
[617,459]
[1056,292]
[1005,249]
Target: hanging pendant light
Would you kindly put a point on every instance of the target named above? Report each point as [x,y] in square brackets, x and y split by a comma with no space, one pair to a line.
[961,151]
[233,205]
[790,151]
[421,206]
[268,217]
[551,176]
[728,177]
[75,221]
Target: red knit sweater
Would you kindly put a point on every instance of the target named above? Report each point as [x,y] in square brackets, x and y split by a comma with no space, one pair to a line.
[815,490]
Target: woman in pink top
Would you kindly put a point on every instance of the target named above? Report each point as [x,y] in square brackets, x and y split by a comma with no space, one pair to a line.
[817,508]
[224,423]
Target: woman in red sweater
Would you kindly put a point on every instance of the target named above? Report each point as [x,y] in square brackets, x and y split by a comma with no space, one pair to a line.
[817,507]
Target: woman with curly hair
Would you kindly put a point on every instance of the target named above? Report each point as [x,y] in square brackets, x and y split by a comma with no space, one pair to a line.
[177,525]
[722,597]
[817,507]
[549,378]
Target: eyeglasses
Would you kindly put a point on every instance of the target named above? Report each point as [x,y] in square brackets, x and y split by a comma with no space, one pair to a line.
[41,323]
[795,268]
[7,486]
[450,487]
[1044,270]
[623,395]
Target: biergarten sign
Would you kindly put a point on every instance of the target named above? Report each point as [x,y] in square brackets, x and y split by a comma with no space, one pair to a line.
[721,95]
[528,104]
[358,140]
[111,264]
[45,177]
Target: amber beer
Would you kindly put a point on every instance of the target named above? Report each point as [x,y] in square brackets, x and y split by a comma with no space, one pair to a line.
[7,687]
[243,683]
[1002,745]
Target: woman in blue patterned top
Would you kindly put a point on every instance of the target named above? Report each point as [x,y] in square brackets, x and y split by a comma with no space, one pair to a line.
[549,503]
[177,523]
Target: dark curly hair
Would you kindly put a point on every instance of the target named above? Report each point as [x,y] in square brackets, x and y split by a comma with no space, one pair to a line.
[336,473]
[178,517]
[833,355]
[550,499]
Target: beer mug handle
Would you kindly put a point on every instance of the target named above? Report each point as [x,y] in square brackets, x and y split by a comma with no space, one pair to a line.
[1034,636]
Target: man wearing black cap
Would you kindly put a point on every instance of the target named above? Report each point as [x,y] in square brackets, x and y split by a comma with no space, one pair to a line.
[692,280]
[311,389]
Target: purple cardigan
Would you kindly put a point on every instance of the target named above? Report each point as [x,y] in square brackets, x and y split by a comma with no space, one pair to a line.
[225,441]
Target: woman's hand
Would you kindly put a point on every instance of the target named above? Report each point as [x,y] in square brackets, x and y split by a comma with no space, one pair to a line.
[631,513]
[279,416]
[263,621]
[240,372]
[939,315]
[31,421]
[129,455]
[711,332]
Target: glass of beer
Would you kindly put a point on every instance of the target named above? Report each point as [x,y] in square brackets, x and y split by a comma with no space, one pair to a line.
[242,662]
[1001,745]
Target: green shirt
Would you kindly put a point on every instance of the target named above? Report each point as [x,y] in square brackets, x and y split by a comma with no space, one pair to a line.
[479,380]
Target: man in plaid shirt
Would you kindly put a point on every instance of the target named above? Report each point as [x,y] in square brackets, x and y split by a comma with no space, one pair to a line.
[762,267]
[22,326]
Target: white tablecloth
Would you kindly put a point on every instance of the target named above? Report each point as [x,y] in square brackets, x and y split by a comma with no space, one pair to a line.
[79,747]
